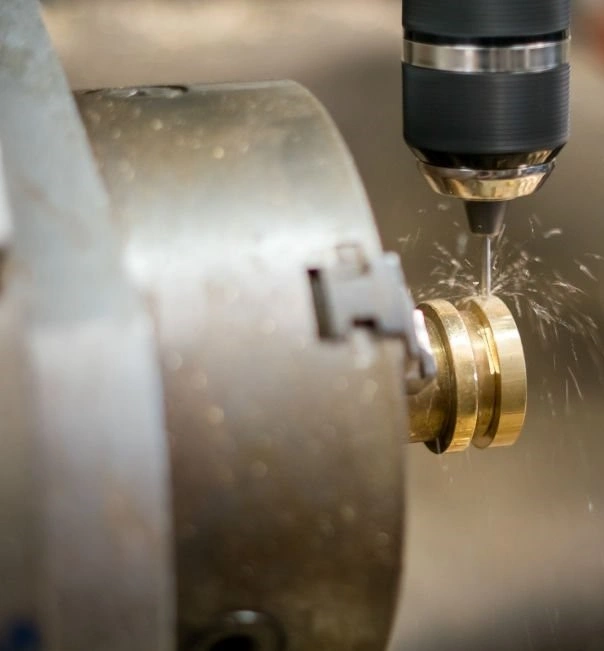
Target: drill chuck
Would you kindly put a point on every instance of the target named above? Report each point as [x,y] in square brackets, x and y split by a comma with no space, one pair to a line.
[486,97]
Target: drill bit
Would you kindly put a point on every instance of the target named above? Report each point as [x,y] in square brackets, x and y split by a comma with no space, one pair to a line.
[487,267]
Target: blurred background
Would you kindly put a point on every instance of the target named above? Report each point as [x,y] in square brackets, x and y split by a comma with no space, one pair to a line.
[505,548]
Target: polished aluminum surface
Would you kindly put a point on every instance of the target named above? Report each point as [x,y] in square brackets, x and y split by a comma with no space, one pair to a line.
[85,559]
[286,448]
[525,58]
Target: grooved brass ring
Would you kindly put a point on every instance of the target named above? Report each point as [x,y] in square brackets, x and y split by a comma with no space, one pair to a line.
[461,423]
[503,340]
[479,394]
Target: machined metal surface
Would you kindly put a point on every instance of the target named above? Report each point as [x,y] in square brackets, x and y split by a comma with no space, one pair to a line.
[528,57]
[286,448]
[84,508]
[480,394]
[486,185]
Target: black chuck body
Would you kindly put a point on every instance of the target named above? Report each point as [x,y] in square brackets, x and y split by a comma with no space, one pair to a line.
[486,88]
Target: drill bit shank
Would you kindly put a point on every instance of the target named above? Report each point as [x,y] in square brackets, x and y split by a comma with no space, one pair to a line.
[487,267]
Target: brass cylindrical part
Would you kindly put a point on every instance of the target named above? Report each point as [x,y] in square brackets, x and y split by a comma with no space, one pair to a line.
[479,395]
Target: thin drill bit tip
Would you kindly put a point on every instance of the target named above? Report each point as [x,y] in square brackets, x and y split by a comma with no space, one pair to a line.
[487,268]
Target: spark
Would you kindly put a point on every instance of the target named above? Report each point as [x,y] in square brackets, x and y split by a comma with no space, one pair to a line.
[553,232]
[588,272]
[540,297]
[575,382]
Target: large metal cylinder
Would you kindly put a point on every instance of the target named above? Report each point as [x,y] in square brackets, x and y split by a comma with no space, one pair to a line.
[286,447]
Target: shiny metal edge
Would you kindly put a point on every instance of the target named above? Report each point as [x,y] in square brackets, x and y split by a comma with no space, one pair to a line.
[486,185]
[526,58]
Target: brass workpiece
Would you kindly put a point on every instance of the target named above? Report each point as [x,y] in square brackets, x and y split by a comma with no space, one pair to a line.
[479,394]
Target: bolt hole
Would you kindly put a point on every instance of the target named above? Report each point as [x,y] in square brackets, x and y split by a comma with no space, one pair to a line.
[239,630]
[234,643]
